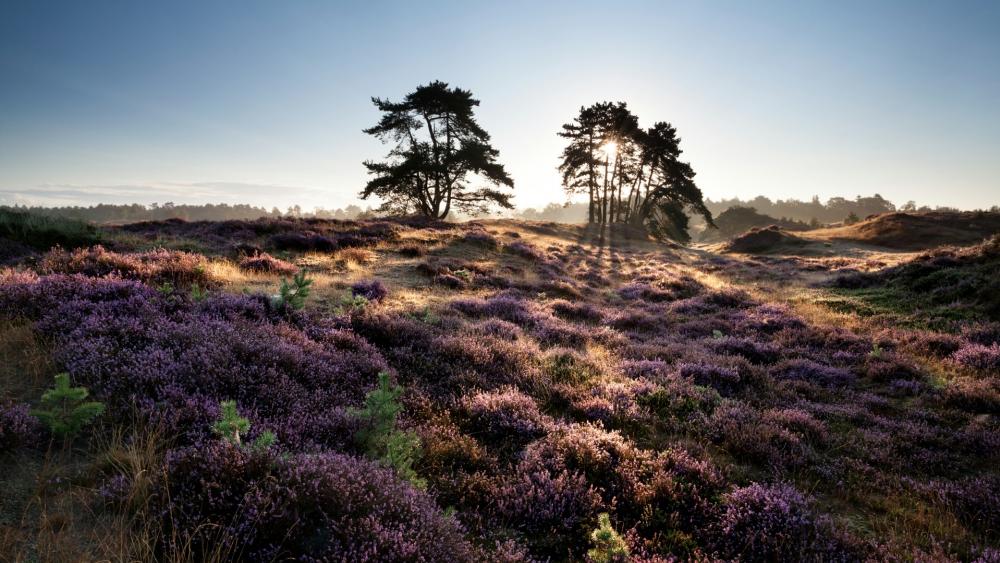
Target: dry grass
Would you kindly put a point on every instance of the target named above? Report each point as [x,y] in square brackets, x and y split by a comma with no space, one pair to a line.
[355,257]
[25,365]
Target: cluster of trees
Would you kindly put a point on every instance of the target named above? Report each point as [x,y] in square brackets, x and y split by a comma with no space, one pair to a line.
[629,174]
[130,213]
[442,160]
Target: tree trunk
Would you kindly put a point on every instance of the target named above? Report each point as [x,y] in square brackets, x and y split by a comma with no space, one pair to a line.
[604,199]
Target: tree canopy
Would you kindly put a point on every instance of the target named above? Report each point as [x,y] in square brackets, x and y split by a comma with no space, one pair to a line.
[439,152]
[630,174]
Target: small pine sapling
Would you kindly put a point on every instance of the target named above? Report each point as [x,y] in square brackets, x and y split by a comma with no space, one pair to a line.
[294,294]
[609,547]
[198,293]
[65,409]
[350,304]
[876,352]
[231,426]
[380,437]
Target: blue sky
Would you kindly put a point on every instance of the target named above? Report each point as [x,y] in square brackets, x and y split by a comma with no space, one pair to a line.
[264,102]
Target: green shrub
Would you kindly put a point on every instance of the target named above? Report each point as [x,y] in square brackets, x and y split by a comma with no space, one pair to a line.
[65,409]
[609,547]
[231,426]
[43,232]
[379,435]
[198,293]
[294,294]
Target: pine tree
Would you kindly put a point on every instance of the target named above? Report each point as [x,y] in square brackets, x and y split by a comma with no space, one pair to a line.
[438,146]
[609,547]
[65,409]
[294,294]
[380,437]
[232,427]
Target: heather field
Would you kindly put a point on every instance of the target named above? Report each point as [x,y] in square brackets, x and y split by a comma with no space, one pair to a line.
[489,391]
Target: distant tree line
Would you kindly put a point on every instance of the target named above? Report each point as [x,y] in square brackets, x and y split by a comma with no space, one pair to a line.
[629,174]
[130,213]
[814,212]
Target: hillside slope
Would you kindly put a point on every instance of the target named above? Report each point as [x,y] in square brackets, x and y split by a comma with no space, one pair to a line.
[911,231]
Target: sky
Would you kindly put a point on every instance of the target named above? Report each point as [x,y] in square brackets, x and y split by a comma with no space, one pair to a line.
[265,102]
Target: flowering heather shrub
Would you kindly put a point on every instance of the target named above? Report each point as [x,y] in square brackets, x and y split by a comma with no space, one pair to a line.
[385,331]
[661,289]
[450,281]
[647,369]
[637,321]
[644,291]
[799,422]
[678,400]
[512,308]
[453,363]
[936,344]
[745,433]
[772,523]
[509,551]
[800,369]
[154,267]
[505,415]
[303,242]
[497,328]
[985,333]
[447,450]
[548,507]
[887,367]
[551,331]
[754,351]
[314,507]
[613,402]
[176,360]
[503,306]
[267,264]
[17,427]
[413,250]
[525,250]
[608,461]
[727,298]
[569,366]
[372,290]
[481,238]
[768,319]
[561,288]
[972,394]
[973,500]
[584,312]
[979,357]
[725,380]
[679,490]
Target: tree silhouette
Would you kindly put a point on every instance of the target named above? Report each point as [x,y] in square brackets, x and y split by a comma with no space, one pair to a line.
[439,151]
[641,181]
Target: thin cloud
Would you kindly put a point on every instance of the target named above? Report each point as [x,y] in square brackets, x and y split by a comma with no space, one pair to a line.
[159,192]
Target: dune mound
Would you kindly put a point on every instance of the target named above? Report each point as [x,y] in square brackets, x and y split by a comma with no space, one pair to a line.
[764,239]
[918,231]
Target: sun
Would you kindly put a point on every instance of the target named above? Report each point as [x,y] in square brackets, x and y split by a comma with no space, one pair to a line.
[609,149]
